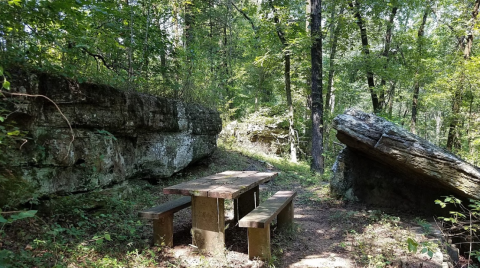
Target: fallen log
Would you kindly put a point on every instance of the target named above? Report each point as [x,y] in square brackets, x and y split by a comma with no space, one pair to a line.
[401,163]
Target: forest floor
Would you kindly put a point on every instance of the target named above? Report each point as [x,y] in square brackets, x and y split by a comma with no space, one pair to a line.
[327,233]
[103,229]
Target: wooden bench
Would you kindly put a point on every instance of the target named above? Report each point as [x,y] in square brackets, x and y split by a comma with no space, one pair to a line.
[258,222]
[162,217]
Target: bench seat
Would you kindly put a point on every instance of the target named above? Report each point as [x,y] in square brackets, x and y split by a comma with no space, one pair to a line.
[162,217]
[258,221]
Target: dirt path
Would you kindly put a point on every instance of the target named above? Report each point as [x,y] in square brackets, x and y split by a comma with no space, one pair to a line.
[329,233]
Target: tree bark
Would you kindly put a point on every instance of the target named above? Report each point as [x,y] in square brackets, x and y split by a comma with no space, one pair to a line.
[317,98]
[189,39]
[288,91]
[330,97]
[391,96]
[366,53]
[386,54]
[453,138]
[331,68]
[416,87]
[469,38]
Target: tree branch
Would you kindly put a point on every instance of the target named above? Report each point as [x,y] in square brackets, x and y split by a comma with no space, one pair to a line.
[245,16]
[98,56]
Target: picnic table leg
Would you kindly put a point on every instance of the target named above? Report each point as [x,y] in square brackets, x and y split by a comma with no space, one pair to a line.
[245,203]
[285,217]
[163,230]
[259,243]
[208,224]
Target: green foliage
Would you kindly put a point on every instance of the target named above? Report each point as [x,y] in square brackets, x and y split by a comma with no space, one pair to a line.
[463,224]
[7,258]
[426,247]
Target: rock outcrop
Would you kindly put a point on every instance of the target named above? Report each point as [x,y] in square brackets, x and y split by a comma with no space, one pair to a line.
[117,135]
[383,164]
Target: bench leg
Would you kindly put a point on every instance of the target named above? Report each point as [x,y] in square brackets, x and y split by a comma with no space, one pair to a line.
[245,203]
[285,217]
[163,230]
[208,224]
[259,243]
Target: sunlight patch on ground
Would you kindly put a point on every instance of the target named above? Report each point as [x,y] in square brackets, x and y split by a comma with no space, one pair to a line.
[329,260]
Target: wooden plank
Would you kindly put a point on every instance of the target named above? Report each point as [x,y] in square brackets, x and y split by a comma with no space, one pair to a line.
[169,207]
[235,188]
[266,212]
[245,203]
[208,224]
[163,230]
[259,243]
[230,174]
[201,187]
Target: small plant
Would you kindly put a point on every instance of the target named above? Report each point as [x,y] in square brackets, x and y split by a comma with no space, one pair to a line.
[6,256]
[16,217]
[463,224]
[426,226]
[426,247]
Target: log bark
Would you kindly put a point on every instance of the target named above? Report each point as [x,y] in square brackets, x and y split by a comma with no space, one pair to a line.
[421,162]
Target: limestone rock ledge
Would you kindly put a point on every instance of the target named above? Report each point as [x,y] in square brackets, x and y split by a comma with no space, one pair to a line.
[117,135]
[383,164]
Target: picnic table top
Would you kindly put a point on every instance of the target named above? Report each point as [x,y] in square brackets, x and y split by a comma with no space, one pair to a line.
[227,185]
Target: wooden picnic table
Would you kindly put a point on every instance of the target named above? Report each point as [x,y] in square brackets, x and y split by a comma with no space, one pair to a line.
[208,195]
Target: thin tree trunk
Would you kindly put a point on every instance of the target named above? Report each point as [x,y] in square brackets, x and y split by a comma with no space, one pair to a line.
[391,97]
[438,126]
[317,97]
[453,137]
[331,68]
[288,91]
[146,53]
[469,125]
[469,43]
[386,54]
[416,87]
[189,39]
[330,97]
[366,53]
[130,49]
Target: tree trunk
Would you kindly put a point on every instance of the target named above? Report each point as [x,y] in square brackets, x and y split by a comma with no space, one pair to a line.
[288,91]
[453,138]
[331,68]
[469,43]
[146,53]
[317,98]
[330,97]
[366,53]
[391,96]
[189,39]
[130,49]
[416,87]
[386,54]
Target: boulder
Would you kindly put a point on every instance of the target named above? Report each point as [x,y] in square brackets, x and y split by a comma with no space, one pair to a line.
[383,164]
[117,135]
